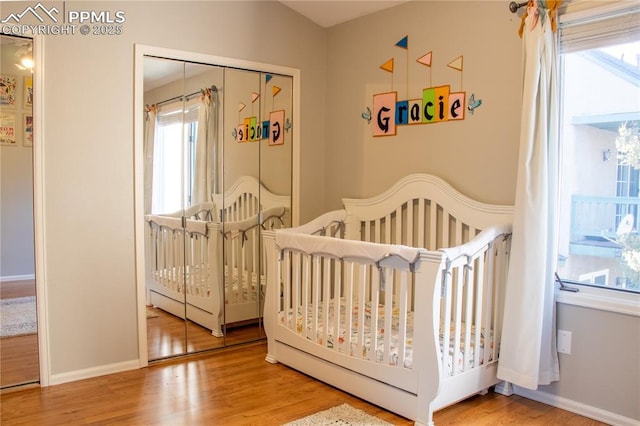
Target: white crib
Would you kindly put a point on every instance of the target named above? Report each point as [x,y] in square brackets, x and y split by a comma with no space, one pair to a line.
[207,267]
[369,300]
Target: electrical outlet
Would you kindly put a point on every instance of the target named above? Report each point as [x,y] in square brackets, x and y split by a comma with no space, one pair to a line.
[564,342]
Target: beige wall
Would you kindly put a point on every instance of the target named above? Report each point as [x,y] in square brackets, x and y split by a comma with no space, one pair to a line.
[88,155]
[477,155]
[88,140]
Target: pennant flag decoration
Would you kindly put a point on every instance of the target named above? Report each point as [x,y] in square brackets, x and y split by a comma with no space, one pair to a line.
[276,90]
[254,97]
[456,64]
[425,59]
[404,43]
[267,78]
[388,66]
[241,106]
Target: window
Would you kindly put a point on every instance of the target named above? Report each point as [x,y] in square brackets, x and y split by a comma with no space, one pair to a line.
[174,157]
[599,243]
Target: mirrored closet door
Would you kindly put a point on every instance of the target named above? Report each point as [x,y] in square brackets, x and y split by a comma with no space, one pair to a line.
[208,196]
[19,360]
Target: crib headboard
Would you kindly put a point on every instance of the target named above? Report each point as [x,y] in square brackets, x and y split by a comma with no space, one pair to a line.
[421,210]
[245,198]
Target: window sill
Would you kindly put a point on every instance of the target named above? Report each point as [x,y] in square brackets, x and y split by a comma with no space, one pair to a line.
[602,299]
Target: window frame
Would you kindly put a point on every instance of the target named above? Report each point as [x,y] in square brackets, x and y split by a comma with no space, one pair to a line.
[588,295]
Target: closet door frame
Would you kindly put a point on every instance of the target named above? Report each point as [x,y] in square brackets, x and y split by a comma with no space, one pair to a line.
[140,51]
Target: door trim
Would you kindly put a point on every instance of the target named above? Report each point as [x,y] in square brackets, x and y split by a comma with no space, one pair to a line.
[44,353]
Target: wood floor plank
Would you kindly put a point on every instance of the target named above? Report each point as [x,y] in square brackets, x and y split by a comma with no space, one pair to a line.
[235,387]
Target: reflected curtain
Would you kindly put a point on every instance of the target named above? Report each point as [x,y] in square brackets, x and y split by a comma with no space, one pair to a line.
[528,354]
[205,175]
[151,112]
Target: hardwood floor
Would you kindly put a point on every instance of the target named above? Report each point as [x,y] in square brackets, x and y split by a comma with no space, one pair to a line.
[234,386]
[166,335]
[18,355]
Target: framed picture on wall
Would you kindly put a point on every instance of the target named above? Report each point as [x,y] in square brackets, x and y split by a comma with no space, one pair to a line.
[28,92]
[27,123]
[7,129]
[7,90]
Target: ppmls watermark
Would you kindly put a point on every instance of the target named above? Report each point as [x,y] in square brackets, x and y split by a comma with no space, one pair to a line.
[52,21]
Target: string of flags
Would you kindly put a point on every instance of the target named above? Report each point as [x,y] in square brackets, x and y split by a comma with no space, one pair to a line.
[435,103]
[251,129]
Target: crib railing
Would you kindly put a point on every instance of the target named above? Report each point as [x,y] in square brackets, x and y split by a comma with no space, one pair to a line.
[368,307]
[473,284]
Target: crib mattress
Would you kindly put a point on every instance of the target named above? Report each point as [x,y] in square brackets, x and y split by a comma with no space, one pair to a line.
[333,341]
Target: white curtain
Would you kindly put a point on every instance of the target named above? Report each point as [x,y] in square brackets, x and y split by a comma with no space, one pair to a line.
[205,158]
[528,355]
[149,144]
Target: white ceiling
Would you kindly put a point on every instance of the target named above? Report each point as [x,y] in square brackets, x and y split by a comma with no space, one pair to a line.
[328,13]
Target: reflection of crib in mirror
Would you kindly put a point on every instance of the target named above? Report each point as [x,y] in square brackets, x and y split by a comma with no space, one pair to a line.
[206,269]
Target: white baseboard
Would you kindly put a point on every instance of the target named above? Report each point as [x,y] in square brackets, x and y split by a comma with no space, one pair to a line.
[17,278]
[576,407]
[88,373]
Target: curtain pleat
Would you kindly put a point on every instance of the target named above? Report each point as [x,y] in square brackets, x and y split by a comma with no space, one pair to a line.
[204,167]
[528,355]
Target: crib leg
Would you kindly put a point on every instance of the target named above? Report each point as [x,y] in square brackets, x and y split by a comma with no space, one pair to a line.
[217,333]
[271,359]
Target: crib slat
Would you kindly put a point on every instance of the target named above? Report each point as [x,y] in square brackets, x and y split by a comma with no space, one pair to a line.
[445,230]
[458,231]
[349,296]
[487,308]
[337,297]
[388,315]
[402,318]
[433,223]
[398,239]
[304,303]
[295,303]
[479,301]
[316,300]
[326,299]
[420,222]
[446,321]
[375,303]
[409,225]
[468,321]
[458,317]
[361,283]
[387,230]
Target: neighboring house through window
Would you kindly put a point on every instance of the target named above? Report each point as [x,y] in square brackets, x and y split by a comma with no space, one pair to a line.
[599,218]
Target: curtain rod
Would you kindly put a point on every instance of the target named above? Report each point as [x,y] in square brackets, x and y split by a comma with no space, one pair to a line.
[185,97]
[513,6]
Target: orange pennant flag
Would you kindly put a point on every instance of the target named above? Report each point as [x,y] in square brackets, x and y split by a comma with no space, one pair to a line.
[388,66]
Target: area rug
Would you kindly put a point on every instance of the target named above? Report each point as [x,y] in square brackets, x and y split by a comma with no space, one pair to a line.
[17,316]
[341,415]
